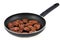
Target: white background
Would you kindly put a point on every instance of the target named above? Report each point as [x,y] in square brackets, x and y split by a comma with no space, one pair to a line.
[10,7]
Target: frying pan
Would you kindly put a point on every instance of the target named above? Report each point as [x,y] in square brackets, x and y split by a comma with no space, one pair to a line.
[39,18]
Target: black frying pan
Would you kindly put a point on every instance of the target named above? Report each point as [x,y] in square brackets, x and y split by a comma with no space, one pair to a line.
[29,16]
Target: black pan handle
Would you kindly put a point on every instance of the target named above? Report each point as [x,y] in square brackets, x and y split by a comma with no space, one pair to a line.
[49,10]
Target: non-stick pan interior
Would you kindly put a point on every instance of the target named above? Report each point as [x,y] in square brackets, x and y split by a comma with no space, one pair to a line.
[25,15]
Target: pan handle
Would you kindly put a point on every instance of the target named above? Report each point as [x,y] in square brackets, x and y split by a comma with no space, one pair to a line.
[49,10]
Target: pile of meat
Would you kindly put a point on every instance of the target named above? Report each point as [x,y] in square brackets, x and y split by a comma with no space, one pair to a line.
[24,26]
